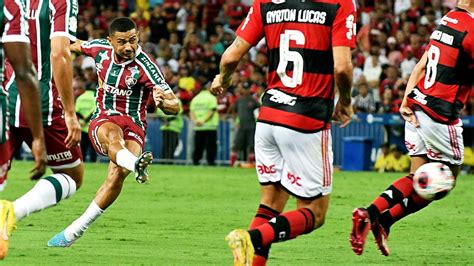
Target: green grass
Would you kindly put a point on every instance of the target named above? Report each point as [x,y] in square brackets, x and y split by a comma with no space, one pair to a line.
[183,214]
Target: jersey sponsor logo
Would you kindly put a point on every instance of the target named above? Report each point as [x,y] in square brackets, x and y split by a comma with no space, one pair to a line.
[294,180]
[292,15]
[446,19]
[281,97]
[116,91]
[410,146]
[59,157]
[263,169]
[152,69]
[433,154]
[135,136]
[73,24]
[442,37]
[351,27]
[419,97]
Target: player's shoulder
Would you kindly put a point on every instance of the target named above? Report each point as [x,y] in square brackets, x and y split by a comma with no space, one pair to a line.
[344,4]
[144,59]
[459,19]
[103,43]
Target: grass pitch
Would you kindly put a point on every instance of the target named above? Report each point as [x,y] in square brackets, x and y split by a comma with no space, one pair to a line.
[182,215]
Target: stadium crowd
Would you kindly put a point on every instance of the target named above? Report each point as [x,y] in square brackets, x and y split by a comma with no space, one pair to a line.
[187,38]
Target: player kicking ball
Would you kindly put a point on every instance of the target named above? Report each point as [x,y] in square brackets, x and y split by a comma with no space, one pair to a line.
[127,77]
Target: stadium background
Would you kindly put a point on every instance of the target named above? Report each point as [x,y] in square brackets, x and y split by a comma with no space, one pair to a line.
[172,219]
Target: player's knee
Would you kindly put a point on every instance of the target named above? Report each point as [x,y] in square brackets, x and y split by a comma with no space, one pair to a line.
[76,174]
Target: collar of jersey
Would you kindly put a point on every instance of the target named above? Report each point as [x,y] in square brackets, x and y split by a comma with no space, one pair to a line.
[139,51]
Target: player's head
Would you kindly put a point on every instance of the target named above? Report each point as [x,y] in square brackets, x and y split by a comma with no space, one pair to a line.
[123,36]
[466,4]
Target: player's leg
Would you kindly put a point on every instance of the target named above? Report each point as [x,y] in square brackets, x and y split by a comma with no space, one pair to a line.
[108,138]
[199,144]
[105,196]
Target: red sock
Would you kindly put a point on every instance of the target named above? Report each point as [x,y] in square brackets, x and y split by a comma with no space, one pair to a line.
[283,227]
[394,194]
[264,214]
[233,158]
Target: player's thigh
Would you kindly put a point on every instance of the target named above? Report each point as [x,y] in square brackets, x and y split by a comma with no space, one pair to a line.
[274,196]
[308,158]
[417,161]
[443,142]
[134,147]
[268,159]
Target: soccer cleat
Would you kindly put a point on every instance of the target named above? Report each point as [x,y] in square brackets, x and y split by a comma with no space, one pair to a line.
[360,229]
[242,248]
[381,237]
[7,225]
[59,240]
[141,165]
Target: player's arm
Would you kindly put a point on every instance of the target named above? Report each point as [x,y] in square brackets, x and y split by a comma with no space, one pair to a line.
[76,47]
[229,61]
[343,78]
[19,55]
[417,74]
[62,72]
[167,102]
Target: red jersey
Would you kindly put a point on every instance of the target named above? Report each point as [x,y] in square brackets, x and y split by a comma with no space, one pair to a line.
[444,89]
[300,36]
[123,88]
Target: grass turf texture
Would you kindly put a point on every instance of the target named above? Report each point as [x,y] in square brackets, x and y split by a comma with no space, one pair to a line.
[182,215]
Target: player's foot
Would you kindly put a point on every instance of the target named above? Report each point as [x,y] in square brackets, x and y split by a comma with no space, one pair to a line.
[59,240]
[381,237]
[360,229]
[141,165]
[242,248]
[7,225]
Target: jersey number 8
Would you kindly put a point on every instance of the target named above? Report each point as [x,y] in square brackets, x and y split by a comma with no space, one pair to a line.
[291,56]
[431,66]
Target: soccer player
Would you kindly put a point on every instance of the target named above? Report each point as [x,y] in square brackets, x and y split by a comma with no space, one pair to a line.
[51,26]
[127,76]
[309,47]
[15,43]
[437,90]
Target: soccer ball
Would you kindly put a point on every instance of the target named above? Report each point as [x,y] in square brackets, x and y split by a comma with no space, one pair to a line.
[433,181]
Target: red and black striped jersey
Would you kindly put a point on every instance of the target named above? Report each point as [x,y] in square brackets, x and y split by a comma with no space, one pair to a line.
[300,36]
[449,72]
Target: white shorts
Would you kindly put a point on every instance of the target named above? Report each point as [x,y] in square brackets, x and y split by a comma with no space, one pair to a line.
[300,162]
[439,142]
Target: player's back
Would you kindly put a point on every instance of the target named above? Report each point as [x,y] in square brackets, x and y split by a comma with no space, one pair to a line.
[300,36]
[444,89]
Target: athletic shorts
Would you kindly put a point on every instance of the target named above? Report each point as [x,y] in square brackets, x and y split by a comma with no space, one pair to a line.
[59,157]
[131,131]
[300,162]
[439,142]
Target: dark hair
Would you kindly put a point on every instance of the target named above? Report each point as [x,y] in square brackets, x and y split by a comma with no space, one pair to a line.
[122,24]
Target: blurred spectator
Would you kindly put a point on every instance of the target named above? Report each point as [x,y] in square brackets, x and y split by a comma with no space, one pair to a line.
[363,102]
[408,64]
[158,25]
[391,77]
[387,106]
[236,11]
[85,106]
[171,126]
[381,161]
[243,112]
[398,162]
[203,113]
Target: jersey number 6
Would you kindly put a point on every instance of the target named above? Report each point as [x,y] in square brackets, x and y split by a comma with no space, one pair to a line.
[291,56]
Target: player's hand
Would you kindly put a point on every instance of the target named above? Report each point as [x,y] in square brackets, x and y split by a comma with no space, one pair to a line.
[73,131]
[38,149]
[343,113]
[217,87]
[409,116]
[158,96]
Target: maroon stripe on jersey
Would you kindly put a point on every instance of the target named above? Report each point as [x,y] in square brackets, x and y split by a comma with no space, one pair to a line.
[314,85]
[304,12]
[290,120]
[317,37]
[315,61]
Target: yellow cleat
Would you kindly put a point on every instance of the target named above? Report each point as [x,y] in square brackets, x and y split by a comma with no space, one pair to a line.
[7,225]
[242,248]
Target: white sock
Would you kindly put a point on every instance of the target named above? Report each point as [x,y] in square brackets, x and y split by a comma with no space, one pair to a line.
[46,193]
[80,225]
[126,159]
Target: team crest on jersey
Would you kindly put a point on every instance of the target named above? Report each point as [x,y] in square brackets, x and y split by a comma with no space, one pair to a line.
[132,79]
